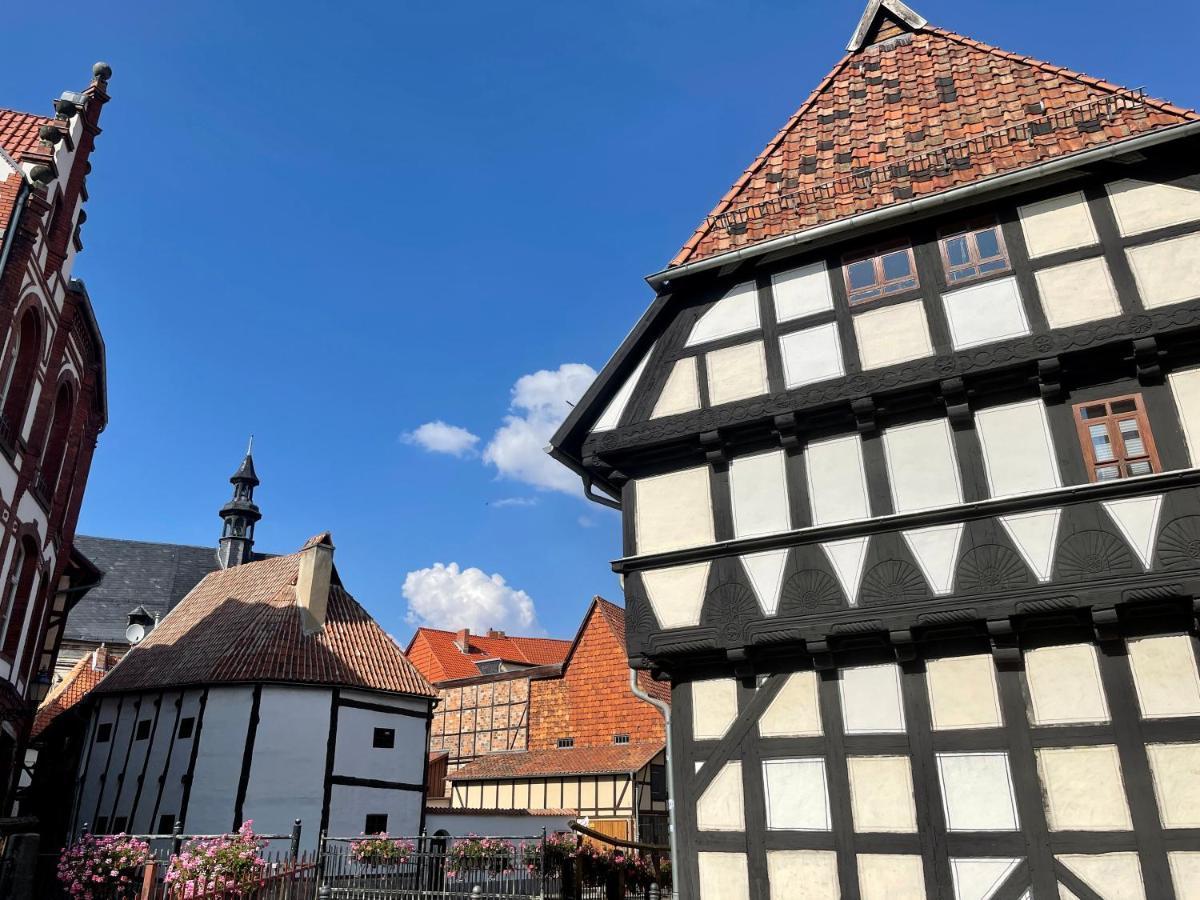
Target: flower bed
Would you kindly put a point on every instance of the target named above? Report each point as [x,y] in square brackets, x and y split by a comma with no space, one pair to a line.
[379,849]
[103,868]
[475,855]
[229,863]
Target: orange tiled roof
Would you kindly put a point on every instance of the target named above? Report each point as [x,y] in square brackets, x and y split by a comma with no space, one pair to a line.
[242,624]
[19,134]
[76,685]
[611,758]
[438,657]
[614,616]
[902,95]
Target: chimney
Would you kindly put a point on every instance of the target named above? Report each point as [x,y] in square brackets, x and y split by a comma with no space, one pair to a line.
[493,633]
[312,583]
[463,640]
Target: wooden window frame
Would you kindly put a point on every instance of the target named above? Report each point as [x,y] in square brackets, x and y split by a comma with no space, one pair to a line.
[876,255]
[969,229]
[1120,459]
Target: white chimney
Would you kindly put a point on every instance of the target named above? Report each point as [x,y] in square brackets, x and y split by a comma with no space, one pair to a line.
[312,584]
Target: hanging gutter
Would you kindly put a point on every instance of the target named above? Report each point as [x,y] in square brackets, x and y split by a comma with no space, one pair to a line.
[923,204]
[13,222]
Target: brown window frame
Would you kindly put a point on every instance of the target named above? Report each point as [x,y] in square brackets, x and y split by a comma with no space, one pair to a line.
[1121,458]
[886,287]
[969,229]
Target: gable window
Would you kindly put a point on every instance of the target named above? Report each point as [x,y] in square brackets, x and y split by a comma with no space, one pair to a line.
[104,733]
[143,730]
[620,739]
[375,823]
[1116,438]
[186,727]
[385,738]
[974,250]
[566,743]
[880,273]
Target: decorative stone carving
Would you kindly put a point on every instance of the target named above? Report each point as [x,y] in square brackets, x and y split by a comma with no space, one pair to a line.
[989,568]
[1179,543]
[892,581]
[729,608]
[1093,554]
[810,591]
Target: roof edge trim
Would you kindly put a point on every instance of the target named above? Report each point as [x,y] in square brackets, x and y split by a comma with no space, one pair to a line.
[897,8]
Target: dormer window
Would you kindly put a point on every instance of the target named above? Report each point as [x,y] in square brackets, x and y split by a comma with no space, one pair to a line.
[880,272]
[973,250]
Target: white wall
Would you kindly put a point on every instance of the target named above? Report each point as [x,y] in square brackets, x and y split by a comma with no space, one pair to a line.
[219,761]
[480,822]
[356,758]
[287,772]
[349,805]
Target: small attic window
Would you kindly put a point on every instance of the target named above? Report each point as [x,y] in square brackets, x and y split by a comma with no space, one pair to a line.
[566,743]
[880,272]
[973,250]
[620,739]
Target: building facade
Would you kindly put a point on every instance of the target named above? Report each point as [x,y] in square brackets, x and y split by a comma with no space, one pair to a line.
[908,448]
[52,396]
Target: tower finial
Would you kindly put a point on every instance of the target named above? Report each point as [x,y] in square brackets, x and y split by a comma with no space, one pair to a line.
[250,446]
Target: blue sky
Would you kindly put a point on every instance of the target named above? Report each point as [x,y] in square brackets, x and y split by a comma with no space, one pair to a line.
[331,224]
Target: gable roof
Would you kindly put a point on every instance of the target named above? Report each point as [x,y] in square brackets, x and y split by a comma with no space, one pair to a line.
[76,684]
[611,617]
[242,624]
[19,135]
[601,760]
[911,111]
[437,656]
[136,573]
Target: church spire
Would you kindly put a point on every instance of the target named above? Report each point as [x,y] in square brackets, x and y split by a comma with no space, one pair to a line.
[240,515]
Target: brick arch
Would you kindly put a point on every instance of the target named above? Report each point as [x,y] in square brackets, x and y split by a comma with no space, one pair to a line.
[23,356]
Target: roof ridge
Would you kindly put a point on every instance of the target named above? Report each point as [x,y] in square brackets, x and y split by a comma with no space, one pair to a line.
[97,537]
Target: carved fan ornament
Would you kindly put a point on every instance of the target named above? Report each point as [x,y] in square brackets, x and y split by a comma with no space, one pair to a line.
[640,622]
[1179,543]
[1090,554]
[809,591]
[892,581]
[991,567]
[728,608]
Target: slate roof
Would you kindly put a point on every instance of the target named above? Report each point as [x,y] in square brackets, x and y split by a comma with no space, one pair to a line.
[136,573]
[242,624]
[870,134]
[76,685]
[610,759]
[435,653]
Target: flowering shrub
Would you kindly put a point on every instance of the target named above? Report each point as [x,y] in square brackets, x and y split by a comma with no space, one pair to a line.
[103,868]
[480,855]
[379,848]
[229,862]
[560,847]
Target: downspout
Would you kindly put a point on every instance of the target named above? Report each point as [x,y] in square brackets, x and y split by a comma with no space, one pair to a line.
[665,709]
[18,207]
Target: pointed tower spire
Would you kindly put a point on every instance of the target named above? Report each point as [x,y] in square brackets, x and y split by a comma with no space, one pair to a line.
[902,16]
[240,515]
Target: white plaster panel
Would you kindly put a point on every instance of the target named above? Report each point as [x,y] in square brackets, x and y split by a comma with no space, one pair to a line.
[979,878]
[892,334]
[349,806]
[1083,789]
[735,313]
[673,511]
[758,489]
[219,760]
[801,292]
[977,792]
[871,700]
[811,355]
[881,794]
[837,481]
[8,479]
[714,707]
[765,571]
[1185,388]
[1167,271]
[1176,770]
[172,794]
[1142,206]
[723,876]
[681,393]
[796,795]
[1018,452]
[803,875]
[1077,292]
[1114,876]
[1064,685]
[677,594]
[95,760]
[611,417]
[1165,676]
[736,373]
[847,558]
[1137,519]
[922,466]
[1185,873]
[1035,536]
[796,709]
[357,758]
[936,551]
[889,876]
[983,313]
[1060,223]
[722,807]
[963,692]
[143,819]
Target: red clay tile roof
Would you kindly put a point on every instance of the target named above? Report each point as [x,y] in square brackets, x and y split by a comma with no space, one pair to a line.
[76,685]
[895,100]
[438,657]
[242,624]
[19,134]
[613,758]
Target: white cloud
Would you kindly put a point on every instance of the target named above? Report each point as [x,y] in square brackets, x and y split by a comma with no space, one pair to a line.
[439,437]
[586,522]
[514,501]
[539,404]
[445,596]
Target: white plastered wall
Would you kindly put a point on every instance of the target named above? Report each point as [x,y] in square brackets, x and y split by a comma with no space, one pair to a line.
[714,708]
[723,876]
[963,692]
[983,313]
[837,481]
[219,760]
[1141,206]
[1060,223]
[1018,451]
[1167,271]
[801,292]
[892,334]
[922,466]
[1083,788]
[1064,685]
[735,313]
[722,807]
[1076,292]
[758,488]
[736,373]
[796,794]
[1185,388]
[815,869]
[674,511]
[677,594]
[811,355]
[795,711]
[1165,676]
[681,392]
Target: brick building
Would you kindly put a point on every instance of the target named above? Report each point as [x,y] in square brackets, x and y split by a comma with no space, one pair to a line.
[52,396]
[553,726]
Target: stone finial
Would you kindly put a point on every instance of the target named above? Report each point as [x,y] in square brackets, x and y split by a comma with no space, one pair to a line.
[101,72]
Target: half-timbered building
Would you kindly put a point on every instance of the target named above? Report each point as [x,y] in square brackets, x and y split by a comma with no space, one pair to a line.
[908,452]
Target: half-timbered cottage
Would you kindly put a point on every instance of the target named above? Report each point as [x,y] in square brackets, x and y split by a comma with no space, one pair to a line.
[908,453]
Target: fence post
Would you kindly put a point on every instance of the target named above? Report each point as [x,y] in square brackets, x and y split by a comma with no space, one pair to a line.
[545,867]
[654,894]
[295,839]
[149,873]
[325,892]
[176,838]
